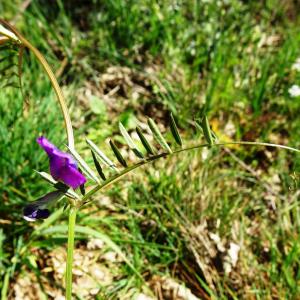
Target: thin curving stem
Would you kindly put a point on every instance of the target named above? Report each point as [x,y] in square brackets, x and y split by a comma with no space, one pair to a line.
[25,43]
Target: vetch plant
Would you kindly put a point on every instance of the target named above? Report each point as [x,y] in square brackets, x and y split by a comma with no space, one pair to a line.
[63,168]
[65,176]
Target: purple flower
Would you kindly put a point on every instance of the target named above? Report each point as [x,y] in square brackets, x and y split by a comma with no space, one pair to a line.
[63,167]
[37,209]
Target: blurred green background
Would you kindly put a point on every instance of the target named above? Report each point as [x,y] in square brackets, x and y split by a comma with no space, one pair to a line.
[216,224]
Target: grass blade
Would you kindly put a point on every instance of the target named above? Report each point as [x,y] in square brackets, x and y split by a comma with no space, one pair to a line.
[174,130]
[130,142]
[158,136]
[206,131]
[5,284]
[101,155]
[198,126]
[118,154]
[90,232]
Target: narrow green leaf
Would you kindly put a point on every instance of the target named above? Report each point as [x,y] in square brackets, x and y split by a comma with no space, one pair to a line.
[9,56]
[9,46]
[9,34]
[68,191]
[174,130]
[66,206]
[48,222]
[144,141]
[5,69]
[206,131]
[158,136]
[47,177]
[98,166]
[130,142]
[59,185]
[82,189]
[126,136]
[118,154]
[5,284]
[85,168]
[101,155]
[214,136]
[198,126]
[10,84]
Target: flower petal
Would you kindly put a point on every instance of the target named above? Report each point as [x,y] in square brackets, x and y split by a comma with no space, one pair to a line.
[37,209]
[46,145]
[63,166]
[69,175]
[31,214]
[53,151]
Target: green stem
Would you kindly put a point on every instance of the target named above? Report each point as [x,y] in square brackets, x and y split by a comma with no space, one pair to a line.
[118,176]
[71,233]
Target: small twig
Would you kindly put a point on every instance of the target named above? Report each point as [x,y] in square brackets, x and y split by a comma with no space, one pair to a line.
[62,67]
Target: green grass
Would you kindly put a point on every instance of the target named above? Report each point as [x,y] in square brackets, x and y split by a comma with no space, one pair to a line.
[232,59]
